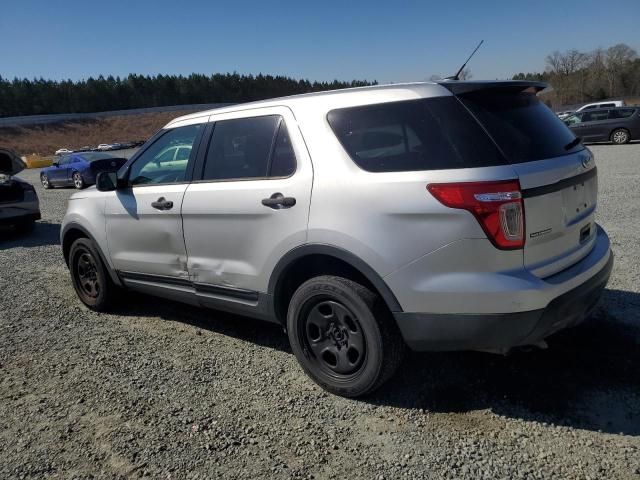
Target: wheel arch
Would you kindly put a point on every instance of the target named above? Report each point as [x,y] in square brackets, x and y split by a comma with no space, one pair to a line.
[73,231]
[307,261]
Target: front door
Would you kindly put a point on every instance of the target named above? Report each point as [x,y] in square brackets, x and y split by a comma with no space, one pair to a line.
[58,174]
[144,227]
[594,126]
[250,205]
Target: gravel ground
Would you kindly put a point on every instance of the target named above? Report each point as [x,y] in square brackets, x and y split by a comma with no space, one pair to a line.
[167,391]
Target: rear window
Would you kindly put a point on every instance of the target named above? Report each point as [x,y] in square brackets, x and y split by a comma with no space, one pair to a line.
[427,134]
[521,125]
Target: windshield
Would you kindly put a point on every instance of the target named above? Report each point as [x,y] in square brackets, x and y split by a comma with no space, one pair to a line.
[522,126]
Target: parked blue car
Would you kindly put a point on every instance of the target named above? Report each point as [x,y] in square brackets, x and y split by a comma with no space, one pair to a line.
[79,169]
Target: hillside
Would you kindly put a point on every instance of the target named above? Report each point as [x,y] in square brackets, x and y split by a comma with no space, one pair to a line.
[46,139]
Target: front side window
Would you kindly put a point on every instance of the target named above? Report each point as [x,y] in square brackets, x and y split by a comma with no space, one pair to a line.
[572,120]
[255,147]
[159,163]
[427,134]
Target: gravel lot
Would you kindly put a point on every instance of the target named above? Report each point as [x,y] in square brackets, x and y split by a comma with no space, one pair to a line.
[163,390]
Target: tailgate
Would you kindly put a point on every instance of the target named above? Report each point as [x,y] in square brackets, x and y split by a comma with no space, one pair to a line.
[560,196]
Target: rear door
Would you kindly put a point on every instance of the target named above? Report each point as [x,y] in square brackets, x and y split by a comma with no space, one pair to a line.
[250,205]
[557,175]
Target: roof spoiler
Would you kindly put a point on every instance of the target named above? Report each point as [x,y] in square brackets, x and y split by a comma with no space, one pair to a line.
[460,88]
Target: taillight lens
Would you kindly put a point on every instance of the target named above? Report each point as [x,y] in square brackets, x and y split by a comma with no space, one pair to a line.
[497,206]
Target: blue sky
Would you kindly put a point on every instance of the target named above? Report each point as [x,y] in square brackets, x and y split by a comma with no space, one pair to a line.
[389,41]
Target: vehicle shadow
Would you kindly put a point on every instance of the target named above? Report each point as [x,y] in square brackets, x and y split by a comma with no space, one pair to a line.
[43,234]
[588,378]
[261,333]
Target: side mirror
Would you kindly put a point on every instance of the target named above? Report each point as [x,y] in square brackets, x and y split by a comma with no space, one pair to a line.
[55,164]
[107,181]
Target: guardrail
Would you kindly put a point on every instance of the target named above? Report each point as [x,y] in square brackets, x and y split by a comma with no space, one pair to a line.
[66,117]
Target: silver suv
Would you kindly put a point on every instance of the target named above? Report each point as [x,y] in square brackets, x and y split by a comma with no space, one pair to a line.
[450,216]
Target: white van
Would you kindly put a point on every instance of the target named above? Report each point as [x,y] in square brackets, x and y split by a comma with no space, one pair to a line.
[608,104]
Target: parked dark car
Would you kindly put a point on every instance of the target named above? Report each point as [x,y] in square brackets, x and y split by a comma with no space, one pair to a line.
[79,169]
[617,125]
[19,206]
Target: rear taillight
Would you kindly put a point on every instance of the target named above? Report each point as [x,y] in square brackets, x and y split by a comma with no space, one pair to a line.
[497,206]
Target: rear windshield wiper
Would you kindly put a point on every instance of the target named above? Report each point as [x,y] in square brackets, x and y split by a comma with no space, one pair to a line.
[572,143]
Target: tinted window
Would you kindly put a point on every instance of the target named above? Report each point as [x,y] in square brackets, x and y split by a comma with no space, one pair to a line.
[283,161]
[241,148]
[523,127]
[606,105]
[157,164]
[595,116]
[428,134]
[590,107]
[621,113]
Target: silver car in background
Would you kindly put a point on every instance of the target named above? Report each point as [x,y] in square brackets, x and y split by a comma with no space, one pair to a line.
[438,216]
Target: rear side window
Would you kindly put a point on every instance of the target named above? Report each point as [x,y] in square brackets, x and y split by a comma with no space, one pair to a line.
[521,125]
[427,134]
[621,113]
[256,147]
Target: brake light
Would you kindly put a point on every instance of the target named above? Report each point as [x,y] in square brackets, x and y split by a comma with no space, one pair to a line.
[497,206]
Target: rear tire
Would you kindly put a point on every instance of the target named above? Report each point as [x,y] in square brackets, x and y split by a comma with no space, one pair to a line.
[89,275]
[620,136]
[343,336]
[78,181]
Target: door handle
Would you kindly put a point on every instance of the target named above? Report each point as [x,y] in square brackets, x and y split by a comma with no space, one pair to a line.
[162,204]
[278,201]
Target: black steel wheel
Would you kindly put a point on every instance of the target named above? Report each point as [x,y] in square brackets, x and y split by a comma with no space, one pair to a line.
[334,337]
[343,335]
[90,279]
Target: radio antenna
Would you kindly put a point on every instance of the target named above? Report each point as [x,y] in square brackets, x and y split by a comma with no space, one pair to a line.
[457,75]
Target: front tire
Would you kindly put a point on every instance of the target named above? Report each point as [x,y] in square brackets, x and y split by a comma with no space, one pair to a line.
[44,179]
[90,278]
[620,136]
[343,336]
[78,182]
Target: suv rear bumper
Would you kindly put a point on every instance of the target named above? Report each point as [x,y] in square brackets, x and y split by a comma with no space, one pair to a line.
[424,331]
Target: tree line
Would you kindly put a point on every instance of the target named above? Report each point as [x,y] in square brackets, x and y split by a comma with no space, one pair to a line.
[580,77]
[22,96]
